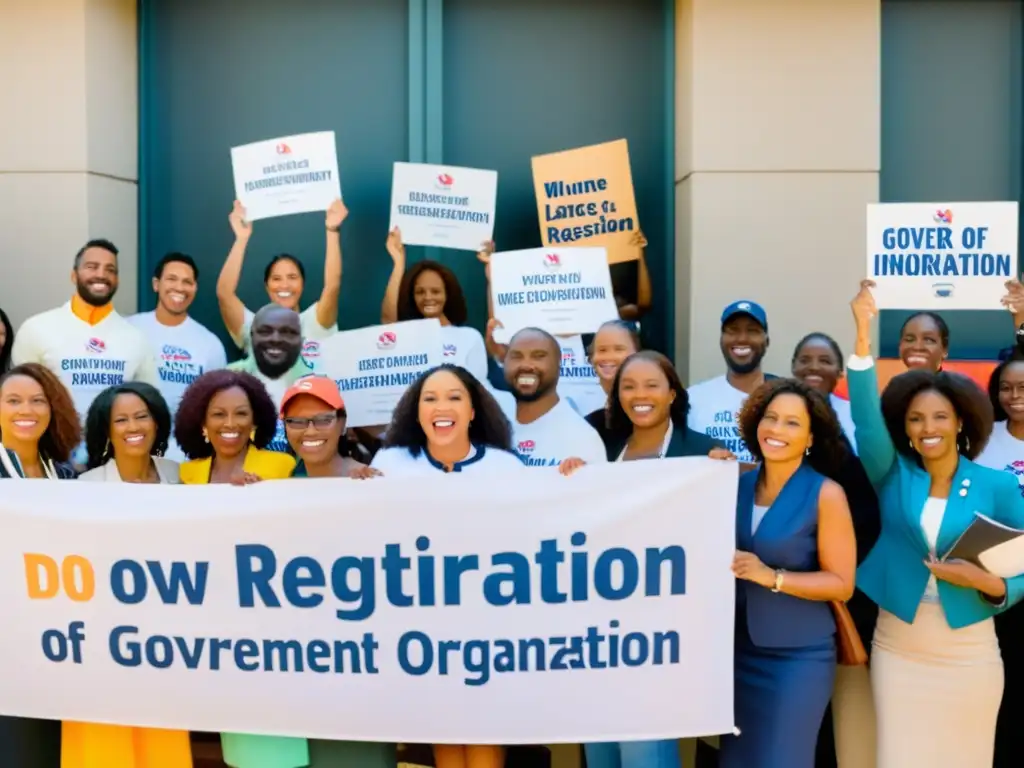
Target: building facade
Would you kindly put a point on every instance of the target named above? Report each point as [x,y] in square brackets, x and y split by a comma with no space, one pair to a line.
[758,132]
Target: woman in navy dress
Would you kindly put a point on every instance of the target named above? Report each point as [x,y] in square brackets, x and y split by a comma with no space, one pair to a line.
[796,552]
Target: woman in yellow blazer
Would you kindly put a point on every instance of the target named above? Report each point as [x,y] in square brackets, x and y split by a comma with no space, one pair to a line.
[224,423]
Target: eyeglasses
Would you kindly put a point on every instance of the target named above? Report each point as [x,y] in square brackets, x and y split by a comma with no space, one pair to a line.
[320,421]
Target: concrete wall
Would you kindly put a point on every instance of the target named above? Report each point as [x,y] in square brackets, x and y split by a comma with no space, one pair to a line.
[778,152]
[68,145]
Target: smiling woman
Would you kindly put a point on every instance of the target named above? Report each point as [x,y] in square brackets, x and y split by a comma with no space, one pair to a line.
[126,434]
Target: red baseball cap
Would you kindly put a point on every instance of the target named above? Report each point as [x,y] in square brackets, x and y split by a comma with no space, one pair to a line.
[321,387]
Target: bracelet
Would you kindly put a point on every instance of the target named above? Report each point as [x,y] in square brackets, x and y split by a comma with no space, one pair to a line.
[333,229]
[779,577]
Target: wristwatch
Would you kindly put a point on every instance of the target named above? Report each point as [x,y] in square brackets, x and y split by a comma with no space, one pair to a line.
[333,229]
[779,576]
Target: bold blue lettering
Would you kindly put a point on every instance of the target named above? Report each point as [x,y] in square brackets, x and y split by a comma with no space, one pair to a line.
[299,573]
[518,579]
[244,649]
[454,567]
[394,565]
[119,586]
[364,594]
[251,581]
[675,556]
[603,574]
[548,557]
[159,652]
[426,650]
[180,579]
[131,656]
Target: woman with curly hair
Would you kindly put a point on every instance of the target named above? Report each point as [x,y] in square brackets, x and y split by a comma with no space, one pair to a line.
[225,421]
[796,553]
[936,669]
[430,289]
[39,428]
[127,432]
[447,421]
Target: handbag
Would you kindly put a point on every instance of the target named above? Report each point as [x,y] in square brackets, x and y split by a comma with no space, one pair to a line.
[850,648]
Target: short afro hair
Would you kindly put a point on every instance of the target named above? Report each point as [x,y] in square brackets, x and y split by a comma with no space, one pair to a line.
[971,405]
[188,427]
[828,448]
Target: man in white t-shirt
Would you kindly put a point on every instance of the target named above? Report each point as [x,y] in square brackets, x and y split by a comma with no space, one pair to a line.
[276,358]
[86,342]
[546,430]
[183,349]
[715,403]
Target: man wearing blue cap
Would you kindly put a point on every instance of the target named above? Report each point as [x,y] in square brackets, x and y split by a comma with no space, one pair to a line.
[715,403]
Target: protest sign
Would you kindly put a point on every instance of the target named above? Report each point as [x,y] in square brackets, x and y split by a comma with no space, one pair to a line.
[374,366]
[379,610]
[585,197]
[437,205]
[941,255]
[293,174]
[565,291]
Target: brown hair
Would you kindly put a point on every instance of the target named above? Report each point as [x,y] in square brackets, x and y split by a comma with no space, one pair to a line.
[64,433]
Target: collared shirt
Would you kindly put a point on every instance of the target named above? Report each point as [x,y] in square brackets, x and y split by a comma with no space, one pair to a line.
[88,313]
[400,461]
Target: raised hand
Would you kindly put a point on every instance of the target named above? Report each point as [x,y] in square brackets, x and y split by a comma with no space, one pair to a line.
[395,246]
[241,226]
[336,214]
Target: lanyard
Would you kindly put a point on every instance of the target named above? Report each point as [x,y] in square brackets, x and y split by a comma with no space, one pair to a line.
[664,445]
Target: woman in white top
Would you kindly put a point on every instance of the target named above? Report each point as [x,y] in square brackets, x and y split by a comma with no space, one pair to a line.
[447,421]
[1005,452]
[284,279]
[126,433]
[430,289]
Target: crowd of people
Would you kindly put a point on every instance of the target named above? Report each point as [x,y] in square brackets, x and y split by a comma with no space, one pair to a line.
[845,508]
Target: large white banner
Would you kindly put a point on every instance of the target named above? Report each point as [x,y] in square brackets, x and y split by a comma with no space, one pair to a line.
[941,255]
[373,366]
[518,608]
[443,206]
[293,174]
[565,291]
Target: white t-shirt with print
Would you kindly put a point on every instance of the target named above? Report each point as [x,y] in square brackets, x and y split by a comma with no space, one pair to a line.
[464,346]
[559,434]
[87,358]
[577,380]
[714,407]
[1004,452]
[312,332]
[182,353]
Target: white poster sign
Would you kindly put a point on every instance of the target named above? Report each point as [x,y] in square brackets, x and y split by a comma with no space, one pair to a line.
[375,365]
[438,205]
[379,610]
[565,291]
[941,255]
[293,174]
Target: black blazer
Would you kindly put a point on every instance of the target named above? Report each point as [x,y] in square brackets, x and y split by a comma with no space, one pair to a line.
[684,442]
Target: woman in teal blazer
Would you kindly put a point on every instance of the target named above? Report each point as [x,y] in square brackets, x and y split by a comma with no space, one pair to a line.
[936,670]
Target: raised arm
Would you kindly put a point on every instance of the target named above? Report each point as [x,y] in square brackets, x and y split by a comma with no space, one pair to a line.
[396,249]
[874,445]
[495,350]
[232,310]
[327,307]
[643,286]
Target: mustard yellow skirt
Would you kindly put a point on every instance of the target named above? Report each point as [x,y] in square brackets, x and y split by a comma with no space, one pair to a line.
[90,745]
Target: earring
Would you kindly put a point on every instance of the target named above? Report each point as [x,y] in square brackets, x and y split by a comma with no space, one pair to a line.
[967,444]
[252,436]
[106,451]
[206,435]
[807,452]
[911,444]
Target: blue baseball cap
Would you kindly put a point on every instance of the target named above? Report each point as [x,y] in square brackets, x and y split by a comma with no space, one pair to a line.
[743,307]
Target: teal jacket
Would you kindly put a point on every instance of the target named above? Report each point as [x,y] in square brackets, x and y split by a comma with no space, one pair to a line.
[894,574]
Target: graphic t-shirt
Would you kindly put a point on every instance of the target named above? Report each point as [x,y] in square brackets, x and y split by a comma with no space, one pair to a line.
[577,380]
[182,353]
[464,347]
[276,389]
[1004,452]
[559,434]
[714,407]
[87,358]
[312,332]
